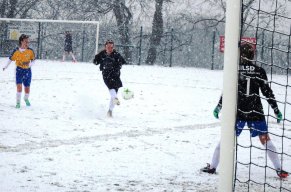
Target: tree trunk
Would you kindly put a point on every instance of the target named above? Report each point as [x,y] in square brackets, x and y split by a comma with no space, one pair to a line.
[123,18]
[157,33]
[12,9]
[3,8]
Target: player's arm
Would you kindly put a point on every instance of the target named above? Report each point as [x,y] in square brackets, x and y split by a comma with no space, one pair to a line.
[217,108]
[7,64]
[32,62]
[32,59]
[10,59]
[29,63]
[120,60]
[268,93]
[97,59]
[26,63]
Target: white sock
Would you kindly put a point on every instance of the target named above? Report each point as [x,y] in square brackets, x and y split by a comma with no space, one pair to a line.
[26,96]
[18,97]
[113,95]
[271,151]
[215,157]
[73,56]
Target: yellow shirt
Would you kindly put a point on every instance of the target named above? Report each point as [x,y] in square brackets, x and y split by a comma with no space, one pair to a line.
[22,59]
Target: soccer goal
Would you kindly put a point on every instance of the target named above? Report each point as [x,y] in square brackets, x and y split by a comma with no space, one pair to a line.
[245,164]
[48,37]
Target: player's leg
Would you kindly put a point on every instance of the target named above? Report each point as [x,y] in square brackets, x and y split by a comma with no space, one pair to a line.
[116,100]
[18,94]
[73,56]
[64,55]
[211,168]
[18,79]
[113,101]
[26,83]
[113,94]
[273,155]
[260,128]
[26,96]
[215,158]
[271,150]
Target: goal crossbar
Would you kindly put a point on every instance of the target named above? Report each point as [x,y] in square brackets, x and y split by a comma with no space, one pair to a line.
[59,21]
[50,21]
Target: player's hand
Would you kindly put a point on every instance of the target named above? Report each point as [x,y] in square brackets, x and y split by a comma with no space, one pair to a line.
[26,63]
[278,115]
[216,111]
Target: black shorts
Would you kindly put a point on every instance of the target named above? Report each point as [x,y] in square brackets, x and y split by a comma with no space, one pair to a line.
[68,48]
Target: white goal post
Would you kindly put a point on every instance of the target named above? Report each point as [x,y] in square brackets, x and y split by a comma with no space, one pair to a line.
[230,79]
[65,22]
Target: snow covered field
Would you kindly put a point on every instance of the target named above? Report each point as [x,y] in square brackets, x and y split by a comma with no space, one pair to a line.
[157,141]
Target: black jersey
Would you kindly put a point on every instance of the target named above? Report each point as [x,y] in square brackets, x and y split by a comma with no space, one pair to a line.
[110,66]
[251,80]
[68,43]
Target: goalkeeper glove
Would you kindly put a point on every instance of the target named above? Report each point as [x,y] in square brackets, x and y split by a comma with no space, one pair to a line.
[278,115]
[216,111]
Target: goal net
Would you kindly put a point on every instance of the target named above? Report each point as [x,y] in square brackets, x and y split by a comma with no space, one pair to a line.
[47,37]
[269,23]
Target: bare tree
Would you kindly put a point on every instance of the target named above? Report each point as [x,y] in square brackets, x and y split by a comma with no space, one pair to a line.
[123,19]
[94,10]
[157,32]
[16,8]
[3,7]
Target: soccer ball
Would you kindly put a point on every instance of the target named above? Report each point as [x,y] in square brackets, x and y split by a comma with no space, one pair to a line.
[127,94]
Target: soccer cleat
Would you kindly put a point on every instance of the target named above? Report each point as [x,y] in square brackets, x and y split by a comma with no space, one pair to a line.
[282,173]
[109,113]
[27,102]
[116,101]
[208,170]
[17,105]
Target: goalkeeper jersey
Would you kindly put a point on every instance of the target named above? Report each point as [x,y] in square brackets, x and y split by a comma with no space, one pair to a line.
[251,80]
[22,58]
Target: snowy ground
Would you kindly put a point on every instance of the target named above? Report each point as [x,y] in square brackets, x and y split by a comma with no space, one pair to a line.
[157,141]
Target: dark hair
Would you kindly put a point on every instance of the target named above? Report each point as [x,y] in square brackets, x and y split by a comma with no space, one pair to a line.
[22,37]
[109,42]
[247,50]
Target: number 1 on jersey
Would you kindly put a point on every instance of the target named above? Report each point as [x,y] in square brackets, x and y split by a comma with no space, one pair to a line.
[248,86]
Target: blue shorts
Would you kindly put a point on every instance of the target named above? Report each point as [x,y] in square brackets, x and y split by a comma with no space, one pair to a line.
[256,127]
[23,76]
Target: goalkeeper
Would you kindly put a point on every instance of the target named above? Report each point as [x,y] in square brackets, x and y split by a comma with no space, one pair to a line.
[252,79]
[68,46]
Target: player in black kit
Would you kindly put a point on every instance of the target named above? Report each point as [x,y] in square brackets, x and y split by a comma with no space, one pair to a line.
[252,79]
[110,62]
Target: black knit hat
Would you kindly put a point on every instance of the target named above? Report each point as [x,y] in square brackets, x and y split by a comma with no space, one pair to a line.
[109,41]
[247,51]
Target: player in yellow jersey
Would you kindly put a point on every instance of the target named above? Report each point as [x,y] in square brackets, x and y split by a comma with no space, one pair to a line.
[24,58]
